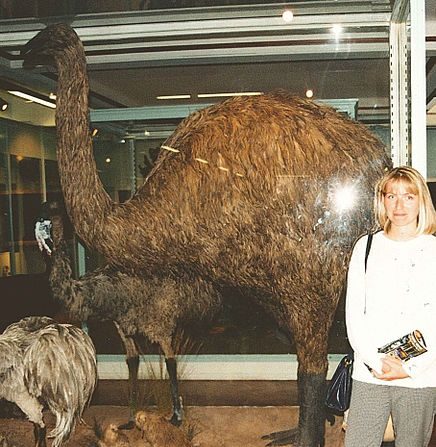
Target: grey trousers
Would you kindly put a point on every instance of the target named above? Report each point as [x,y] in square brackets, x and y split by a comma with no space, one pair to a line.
[412,412]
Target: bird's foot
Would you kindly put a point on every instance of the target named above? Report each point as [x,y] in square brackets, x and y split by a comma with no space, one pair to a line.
[176,420]
[286,437]
[127,426]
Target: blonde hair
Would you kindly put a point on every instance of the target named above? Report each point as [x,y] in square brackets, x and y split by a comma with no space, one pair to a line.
[416,185]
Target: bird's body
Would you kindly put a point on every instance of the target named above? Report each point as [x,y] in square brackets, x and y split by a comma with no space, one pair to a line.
[244,193]
[153,307]
[43,362]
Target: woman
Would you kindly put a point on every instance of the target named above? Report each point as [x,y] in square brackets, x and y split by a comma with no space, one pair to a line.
[394,297]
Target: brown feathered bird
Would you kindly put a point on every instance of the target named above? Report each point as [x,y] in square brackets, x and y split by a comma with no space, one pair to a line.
[246,193]
[158,431]
[46,363]
[153,307]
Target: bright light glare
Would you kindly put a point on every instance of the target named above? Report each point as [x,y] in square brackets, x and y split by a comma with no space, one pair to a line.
[345,198]
[288,16]
[337,30]
[309,93]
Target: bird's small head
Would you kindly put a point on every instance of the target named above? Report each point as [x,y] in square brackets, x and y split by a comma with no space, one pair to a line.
[48,44]
[140,419]
[110,433]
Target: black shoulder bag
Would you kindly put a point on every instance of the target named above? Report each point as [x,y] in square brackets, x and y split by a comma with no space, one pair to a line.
[339,389]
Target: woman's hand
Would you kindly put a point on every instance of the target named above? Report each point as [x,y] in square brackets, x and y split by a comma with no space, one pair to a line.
[392,369]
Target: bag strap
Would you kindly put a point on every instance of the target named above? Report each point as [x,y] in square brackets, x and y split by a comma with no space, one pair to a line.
[368,248]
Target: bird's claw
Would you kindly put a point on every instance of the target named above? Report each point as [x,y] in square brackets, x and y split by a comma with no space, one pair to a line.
[175,420]
[285,437]
[127,426]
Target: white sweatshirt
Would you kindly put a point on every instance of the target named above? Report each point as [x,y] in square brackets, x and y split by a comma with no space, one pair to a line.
[399,293]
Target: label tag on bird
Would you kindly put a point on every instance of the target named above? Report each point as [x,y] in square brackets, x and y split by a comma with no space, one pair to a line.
[406,347]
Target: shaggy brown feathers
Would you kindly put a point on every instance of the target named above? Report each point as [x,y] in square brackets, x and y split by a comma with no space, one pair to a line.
[149,306]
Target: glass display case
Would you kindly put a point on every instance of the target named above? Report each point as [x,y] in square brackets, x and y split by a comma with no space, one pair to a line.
[151,64]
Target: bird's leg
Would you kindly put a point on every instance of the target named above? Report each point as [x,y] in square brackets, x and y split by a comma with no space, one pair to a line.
[39,434]
[132,360]
[133,367]
[311,424]
[311,338]
[177,416]
[310,431]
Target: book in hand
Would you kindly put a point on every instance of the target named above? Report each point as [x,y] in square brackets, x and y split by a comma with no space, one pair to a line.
[405,347]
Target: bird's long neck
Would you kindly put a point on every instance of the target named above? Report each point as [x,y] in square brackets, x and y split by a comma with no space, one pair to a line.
[61,274]
[65,288]
[87,202]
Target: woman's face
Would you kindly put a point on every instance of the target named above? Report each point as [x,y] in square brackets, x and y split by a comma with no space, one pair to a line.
[402,206]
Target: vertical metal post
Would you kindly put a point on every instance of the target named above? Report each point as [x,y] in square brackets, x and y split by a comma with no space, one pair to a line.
[399,97]
[10,206]
[418,86]
[132,155]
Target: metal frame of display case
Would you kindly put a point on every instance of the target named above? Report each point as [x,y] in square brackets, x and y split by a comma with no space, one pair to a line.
[408,137]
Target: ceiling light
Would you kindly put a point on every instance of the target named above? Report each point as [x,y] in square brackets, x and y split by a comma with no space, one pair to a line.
[108,160]
[173,97]
[218,95]
[287,16]
[3,105]
[32,98]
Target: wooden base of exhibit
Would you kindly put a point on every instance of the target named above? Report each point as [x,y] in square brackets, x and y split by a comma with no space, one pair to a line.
[215,426]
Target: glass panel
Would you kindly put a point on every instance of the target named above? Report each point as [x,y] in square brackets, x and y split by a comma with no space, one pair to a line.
[113,156]
[125,150]
[21,188]
[26,201]
[5,236]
